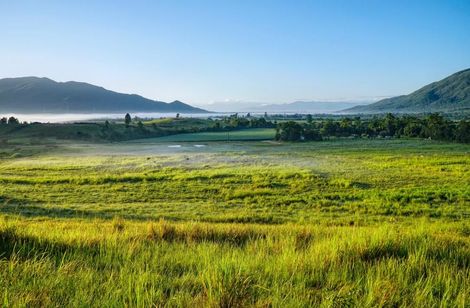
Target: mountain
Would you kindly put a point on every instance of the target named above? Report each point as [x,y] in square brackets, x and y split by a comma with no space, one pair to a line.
[43,95]
[451,94]
[294,107]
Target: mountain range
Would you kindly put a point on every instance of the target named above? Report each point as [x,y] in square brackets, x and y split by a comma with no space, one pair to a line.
[313,107]
[43,95]
[451,94]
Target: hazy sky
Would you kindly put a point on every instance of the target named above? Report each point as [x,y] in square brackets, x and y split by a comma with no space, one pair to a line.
[265,51]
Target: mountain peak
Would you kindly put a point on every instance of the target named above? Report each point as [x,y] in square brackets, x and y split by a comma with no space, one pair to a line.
[177,102]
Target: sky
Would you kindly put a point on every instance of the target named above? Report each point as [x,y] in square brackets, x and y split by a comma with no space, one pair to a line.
[202,52]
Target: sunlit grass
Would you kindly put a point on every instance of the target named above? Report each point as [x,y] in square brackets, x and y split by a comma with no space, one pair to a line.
[309,184]
[59,262]
[340,223]
[244,134]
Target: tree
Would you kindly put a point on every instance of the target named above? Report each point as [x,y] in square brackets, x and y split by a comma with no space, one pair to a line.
[346,127]
[390,124]
[127,119]
[309,119]
[462,133]
[374,127]
[13,121]
[177,115]
[311,134]
[289,131]
[329,128]
[438,128]
[412,129]
[3,120]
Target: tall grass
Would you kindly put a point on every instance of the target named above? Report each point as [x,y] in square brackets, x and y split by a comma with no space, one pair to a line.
[292,225]
[81,262]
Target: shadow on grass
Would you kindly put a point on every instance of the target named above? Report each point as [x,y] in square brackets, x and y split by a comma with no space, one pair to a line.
[14,244]
[37,210]
[32,210]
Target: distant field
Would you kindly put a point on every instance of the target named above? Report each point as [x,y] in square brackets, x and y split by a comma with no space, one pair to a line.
[239,135]
[340,223]
[243,181]
[168,129]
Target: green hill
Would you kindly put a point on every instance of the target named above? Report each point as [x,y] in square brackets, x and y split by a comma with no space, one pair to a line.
[451,94]
[43,95]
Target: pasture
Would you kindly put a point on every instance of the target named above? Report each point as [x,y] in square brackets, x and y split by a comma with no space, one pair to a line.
[253,134]
[195,220]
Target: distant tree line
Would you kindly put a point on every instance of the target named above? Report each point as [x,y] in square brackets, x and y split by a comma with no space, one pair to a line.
[434,126]
[10,121]
[136,128]
[236,122]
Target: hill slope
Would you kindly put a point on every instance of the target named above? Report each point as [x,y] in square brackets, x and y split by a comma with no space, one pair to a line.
[43,95]
[451,94]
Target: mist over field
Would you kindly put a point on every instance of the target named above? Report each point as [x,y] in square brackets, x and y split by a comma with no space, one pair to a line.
[77,117]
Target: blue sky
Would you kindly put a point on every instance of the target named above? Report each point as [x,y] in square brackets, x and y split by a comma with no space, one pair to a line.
[263,51]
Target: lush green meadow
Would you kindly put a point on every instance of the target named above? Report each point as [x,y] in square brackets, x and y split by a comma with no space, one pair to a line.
[237,135]
[166,222]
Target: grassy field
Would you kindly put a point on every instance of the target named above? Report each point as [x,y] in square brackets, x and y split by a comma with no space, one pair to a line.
[114,131]
[238,135]
[335,223]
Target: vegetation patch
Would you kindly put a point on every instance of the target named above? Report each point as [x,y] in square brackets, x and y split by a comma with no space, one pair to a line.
[341,222]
